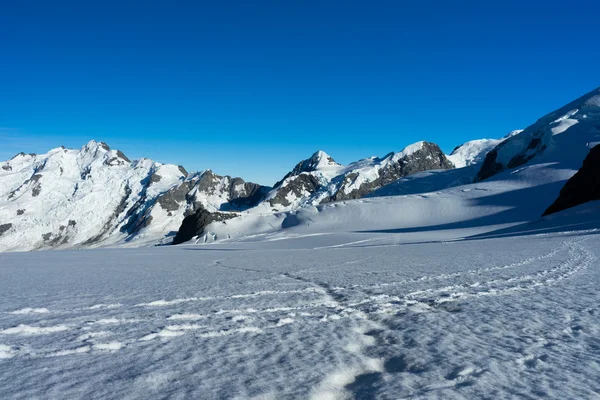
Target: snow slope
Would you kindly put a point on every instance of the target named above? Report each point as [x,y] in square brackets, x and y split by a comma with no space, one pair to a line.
[475,151]
[510,198]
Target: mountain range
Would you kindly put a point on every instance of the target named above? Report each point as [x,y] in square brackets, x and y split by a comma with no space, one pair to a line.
[95,196]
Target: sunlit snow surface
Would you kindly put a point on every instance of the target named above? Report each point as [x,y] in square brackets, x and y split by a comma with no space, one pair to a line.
[355,315]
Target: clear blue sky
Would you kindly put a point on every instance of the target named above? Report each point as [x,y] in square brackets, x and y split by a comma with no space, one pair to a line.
[249,88]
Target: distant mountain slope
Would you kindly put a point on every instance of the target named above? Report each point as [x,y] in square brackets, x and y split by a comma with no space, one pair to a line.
[561,136]
[96,196]
[320,179]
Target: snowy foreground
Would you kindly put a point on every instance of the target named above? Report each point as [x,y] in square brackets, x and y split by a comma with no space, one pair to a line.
[354,315]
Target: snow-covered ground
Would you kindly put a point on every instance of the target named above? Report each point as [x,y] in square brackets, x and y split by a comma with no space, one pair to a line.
[311,316]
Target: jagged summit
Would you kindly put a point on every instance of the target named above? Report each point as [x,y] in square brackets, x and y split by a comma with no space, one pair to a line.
[318,160]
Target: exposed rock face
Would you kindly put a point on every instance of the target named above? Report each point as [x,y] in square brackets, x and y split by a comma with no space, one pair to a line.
[584,186]
[4,228]
[182,170]
[194,224]
[577,120]
[320,179]
[301,185]
[228,193]
[175,197]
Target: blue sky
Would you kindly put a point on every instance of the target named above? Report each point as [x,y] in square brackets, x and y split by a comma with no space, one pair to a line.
[249,88]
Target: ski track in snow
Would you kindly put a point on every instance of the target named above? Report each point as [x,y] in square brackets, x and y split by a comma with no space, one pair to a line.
[380,319]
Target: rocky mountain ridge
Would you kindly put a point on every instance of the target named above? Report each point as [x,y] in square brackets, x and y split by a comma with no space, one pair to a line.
[319,179]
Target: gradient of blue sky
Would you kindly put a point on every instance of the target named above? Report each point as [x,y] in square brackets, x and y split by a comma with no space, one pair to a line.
[250,87]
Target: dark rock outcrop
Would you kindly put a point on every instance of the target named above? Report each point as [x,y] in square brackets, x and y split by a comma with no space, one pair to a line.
[183,170]
[584,186]
[300,184]
[171,200]
[241,194]
[491,166]
[4,228]
[194,224]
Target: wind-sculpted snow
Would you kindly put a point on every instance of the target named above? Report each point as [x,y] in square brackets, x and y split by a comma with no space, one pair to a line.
[318,317]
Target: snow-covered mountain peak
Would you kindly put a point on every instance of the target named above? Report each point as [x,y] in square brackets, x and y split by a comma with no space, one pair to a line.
[95,148]
[100,152]
[321,159]
[409,150]
[318,161]
[561,136]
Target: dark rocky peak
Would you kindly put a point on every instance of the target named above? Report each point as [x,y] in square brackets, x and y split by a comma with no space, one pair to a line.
[194,224]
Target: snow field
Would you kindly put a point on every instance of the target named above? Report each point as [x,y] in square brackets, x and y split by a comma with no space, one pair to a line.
[497,318]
